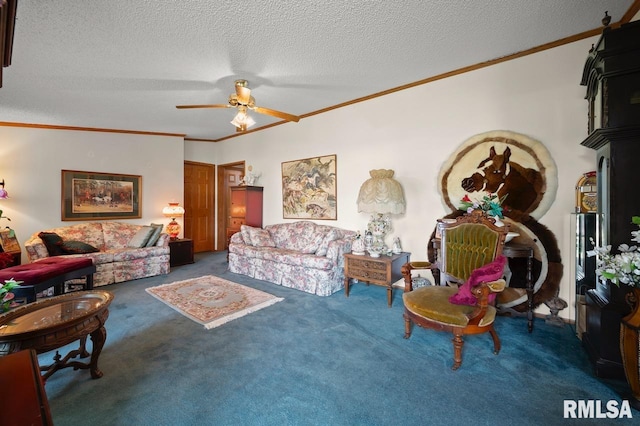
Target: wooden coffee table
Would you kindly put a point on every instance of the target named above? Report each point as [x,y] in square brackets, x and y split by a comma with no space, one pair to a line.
[54,322]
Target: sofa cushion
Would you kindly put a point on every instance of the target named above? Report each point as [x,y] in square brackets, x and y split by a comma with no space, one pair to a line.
[118,234]
[76,247]
[155,235]
[331,235]
[52,242]
[260,237]
[302,236]
[89,232]
[141,237]
[246,236]
[286,257]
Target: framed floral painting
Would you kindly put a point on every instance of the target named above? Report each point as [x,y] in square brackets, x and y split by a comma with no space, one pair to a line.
[95,195]
[309,188]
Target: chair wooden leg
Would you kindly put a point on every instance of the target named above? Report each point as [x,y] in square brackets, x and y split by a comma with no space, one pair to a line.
[457,350]
[407,326]
[496,341]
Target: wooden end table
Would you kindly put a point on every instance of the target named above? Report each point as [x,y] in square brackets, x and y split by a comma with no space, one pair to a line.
[181,252]
[383,270]
[54,322]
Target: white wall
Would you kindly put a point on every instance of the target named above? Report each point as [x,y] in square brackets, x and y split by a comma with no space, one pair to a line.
[414,131]
[31,161]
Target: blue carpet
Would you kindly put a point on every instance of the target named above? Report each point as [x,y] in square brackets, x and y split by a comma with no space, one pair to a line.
[312,360]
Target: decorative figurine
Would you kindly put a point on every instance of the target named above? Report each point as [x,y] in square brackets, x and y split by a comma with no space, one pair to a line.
[357,247]
[368,240]
[250,178]
[397,248]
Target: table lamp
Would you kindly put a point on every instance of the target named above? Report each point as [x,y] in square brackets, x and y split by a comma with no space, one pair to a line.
[173,210]
[380,195]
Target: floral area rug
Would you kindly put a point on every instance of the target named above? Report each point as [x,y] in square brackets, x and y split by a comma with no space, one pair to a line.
[212,301]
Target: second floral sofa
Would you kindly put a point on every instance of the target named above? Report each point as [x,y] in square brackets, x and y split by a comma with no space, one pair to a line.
[300,255]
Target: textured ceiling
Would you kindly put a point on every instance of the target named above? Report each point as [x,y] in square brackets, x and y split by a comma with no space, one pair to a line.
[123,64]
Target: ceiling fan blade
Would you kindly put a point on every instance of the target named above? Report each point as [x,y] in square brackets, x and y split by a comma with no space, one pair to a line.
[279,114]
[204,106]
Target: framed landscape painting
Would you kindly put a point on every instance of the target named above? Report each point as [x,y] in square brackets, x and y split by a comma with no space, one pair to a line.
[95,195]
[309,188]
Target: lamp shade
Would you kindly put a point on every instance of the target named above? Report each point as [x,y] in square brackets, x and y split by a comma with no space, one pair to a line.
[173,210]
[381,194]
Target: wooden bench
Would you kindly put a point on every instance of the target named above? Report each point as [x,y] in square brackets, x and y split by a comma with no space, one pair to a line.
[46,273]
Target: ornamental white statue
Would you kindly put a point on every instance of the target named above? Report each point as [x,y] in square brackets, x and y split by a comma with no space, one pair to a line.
[397,248]
[250,178]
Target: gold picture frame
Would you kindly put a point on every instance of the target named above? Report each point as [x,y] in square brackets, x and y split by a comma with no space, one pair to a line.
[309,188]
[96,195]
[8,241]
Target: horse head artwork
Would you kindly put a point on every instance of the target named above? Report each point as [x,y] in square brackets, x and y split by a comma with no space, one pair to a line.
[522,188]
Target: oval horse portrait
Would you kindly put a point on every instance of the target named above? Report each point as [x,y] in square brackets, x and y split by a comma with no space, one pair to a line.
[511,165]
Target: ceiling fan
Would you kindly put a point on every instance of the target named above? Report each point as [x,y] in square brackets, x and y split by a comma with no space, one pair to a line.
[243,101]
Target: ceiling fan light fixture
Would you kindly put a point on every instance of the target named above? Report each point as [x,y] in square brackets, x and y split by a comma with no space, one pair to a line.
[242,120]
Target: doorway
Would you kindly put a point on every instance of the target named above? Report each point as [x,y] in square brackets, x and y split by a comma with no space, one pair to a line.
[199,196]
[228,175]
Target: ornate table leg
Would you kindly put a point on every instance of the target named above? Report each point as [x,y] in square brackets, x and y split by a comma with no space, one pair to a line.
[98,337]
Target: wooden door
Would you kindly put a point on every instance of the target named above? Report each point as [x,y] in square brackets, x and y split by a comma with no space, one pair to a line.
[228,175]
[199,217]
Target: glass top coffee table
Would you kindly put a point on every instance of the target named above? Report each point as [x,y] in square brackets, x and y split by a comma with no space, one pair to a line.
[57,321]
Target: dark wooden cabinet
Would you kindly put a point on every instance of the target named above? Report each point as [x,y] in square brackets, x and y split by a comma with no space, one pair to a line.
[612,77]
[17,258]
[181,252]
[245,208]
[23,400]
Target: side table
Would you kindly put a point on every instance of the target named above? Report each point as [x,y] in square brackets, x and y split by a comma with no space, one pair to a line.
[512,250]
[383,270]
[181,252]
[17,257]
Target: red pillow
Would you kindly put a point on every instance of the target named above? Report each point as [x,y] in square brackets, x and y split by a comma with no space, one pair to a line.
[489,272]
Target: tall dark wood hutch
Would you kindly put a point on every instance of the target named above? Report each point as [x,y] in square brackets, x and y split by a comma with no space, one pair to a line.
[612,77]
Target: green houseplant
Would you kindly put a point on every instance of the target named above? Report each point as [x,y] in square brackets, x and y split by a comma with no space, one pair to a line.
[624,269]
[6,296]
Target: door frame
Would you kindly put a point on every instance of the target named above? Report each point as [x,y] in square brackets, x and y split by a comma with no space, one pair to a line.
[221,209]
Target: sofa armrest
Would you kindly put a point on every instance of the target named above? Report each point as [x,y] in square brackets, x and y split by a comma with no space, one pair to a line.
[163,240]
[337,249]
[36,249]
[237,238]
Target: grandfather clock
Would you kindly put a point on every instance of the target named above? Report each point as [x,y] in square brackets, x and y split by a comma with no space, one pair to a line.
[612,77]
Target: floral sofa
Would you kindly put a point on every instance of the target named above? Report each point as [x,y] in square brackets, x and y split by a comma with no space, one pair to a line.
[300,255]
[119,250]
